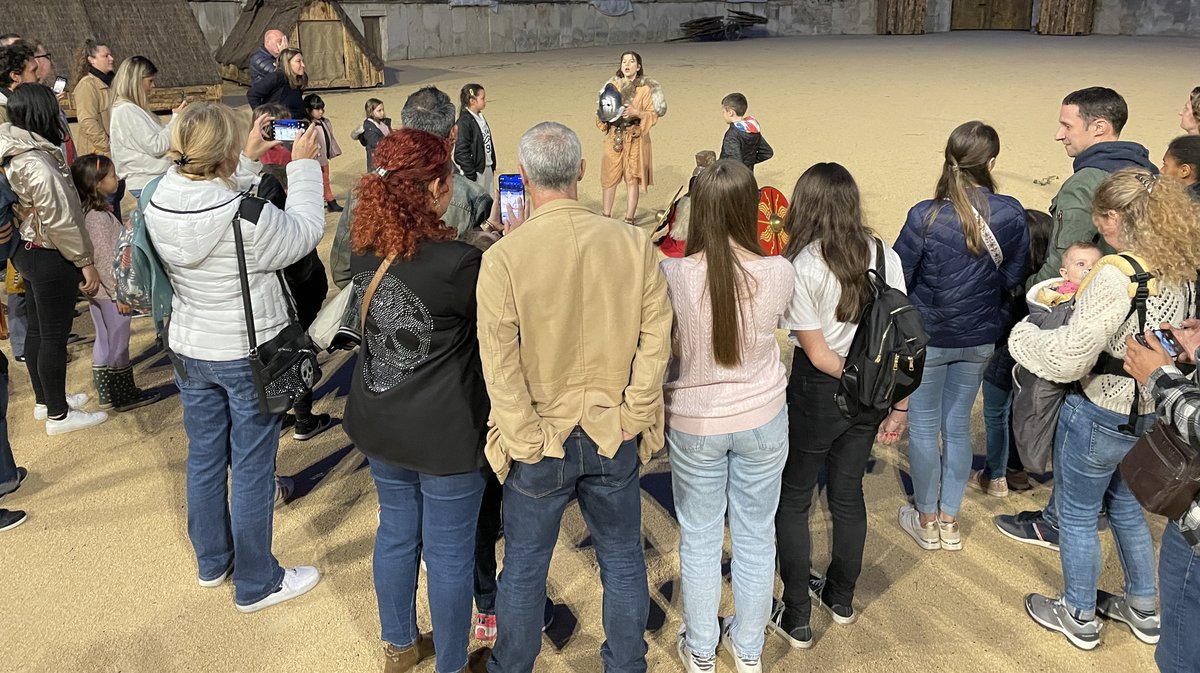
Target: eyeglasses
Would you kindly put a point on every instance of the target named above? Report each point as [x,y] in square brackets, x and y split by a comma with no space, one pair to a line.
[45,56]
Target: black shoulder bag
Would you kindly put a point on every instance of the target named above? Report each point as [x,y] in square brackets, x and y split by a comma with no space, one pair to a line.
[285,368]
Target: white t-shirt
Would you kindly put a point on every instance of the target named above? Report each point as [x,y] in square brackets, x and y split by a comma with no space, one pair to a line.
[815,299]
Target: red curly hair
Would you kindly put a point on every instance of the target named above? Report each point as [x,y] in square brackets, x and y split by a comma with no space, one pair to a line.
[394,213]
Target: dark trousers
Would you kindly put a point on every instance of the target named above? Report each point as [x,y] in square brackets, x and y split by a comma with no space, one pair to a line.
[487,531]
[9,479]
[535,496]
[819,436]
[51,289]
[307,282]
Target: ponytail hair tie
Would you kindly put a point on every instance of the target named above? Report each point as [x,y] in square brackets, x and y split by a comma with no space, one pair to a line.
[381,172]
[182,160]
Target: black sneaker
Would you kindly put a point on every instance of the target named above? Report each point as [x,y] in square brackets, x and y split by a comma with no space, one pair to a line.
[798,636]
[842,614]
[19,358]
[333,207]
[547,615]
[307,428]
[11,518]
[21,474]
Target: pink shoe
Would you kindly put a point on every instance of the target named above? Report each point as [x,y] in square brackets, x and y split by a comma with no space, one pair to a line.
[485,627]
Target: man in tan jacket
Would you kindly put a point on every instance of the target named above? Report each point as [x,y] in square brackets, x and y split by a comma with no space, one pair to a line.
[574,334]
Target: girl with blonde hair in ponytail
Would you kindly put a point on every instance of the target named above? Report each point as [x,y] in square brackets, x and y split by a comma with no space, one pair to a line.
[963,253]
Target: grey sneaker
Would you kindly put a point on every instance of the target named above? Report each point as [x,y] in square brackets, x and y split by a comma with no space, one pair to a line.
[799,637]
[692,662]
[1145,627]
[743,665]
[925,535]
[1053,615]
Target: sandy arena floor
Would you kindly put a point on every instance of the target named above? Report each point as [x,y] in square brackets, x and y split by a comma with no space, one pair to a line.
[102,576]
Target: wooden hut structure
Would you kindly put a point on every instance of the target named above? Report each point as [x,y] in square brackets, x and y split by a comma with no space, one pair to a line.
[335,52]
[164,31]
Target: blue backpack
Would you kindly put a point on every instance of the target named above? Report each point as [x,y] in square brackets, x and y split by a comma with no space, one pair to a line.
[141,281]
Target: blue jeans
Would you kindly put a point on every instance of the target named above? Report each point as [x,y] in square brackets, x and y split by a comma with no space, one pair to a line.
[1087,450]
[18,324]
[741,471]
[941,406]
[435,516]
[535,496]
[8,467]
[997,403]
[226,432]
[1179,578]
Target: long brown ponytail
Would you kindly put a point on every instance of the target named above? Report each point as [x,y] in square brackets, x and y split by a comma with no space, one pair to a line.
[966,171]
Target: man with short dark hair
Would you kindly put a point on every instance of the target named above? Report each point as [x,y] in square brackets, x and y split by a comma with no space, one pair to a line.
[264,61]
[1089,127]
[574,335]
[17,66]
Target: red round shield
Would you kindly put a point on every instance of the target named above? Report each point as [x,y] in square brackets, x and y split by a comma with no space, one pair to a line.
[772,209]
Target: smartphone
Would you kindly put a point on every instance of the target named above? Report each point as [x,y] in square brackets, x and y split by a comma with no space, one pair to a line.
[60,84]
[288,130]
[1165,337]
[512,195]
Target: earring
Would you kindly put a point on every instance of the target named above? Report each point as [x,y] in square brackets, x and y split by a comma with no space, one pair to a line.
[437,201]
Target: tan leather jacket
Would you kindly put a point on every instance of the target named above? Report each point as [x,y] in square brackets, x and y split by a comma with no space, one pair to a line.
[47,205]
[93,109]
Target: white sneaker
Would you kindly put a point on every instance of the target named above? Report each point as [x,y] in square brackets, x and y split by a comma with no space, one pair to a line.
[692,662]
[743,665]
[296,582]
[75,420]
[74,401]
[216,581]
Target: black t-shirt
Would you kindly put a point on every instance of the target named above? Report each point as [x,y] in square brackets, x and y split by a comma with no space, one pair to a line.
[417,397]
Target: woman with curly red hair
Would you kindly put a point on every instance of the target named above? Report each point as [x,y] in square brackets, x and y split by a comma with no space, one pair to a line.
[418,407]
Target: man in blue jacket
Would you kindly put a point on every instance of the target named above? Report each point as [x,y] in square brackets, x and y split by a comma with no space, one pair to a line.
[263,62]
[1089,127]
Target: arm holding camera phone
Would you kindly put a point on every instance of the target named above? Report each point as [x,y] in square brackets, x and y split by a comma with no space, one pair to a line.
[1147,357]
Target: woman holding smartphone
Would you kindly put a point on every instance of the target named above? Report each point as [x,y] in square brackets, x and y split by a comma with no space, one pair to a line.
[140,142]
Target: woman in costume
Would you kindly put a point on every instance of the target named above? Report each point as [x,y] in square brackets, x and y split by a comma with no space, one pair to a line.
[627,144]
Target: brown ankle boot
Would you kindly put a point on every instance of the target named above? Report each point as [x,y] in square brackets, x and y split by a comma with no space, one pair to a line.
[404,660]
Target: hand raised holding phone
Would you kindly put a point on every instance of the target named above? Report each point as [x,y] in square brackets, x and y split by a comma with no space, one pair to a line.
[305,146]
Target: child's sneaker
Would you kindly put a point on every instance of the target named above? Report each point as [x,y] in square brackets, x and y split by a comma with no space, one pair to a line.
[485,627]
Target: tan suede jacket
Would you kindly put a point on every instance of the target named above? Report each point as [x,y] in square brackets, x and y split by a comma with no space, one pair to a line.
[47,205]
[93,109]
[574,330]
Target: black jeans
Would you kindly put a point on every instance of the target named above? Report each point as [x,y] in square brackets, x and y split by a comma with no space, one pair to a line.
[819,436]
[487,531]
[51,290]
[308,285]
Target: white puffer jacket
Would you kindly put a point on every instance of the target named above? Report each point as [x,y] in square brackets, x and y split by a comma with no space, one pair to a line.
[191,226]
[139,143]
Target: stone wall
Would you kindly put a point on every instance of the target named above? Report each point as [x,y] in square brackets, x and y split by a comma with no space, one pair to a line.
[431,29]
[1147,17]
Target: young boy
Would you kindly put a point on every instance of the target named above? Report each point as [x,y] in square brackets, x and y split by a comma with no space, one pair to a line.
[1077,261]
[743,139]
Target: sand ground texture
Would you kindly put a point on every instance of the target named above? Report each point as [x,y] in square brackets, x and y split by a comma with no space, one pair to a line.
[102,576]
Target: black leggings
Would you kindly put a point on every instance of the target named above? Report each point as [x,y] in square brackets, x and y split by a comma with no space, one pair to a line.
[51,291]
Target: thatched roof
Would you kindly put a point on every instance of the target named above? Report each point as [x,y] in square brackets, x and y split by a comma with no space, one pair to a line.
[164,31]
[262,15]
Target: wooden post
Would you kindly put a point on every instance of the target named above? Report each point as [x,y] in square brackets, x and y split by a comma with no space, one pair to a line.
[1066,17]
[901,17]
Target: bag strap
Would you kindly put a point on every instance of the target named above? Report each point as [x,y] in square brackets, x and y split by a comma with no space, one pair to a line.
[249,209]
[1136,305]
[989,239]
[370,293]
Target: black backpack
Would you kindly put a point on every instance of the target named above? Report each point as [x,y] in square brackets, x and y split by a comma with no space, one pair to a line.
[887,355]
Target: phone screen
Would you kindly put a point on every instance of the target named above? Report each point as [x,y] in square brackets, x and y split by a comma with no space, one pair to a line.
[1167,338]
[288,130]
[60,84]
[512,195]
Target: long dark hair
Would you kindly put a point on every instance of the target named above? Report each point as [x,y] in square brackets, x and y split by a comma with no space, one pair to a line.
[640,72]
[1040,226]
[465,95]
[724,208]
[87,172]
[826,208]
[33,107]
[965,173]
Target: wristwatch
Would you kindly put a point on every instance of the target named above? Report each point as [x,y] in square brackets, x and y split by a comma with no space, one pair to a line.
[489,227]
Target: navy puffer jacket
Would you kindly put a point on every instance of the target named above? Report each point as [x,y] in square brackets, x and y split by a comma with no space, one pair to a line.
[962,297]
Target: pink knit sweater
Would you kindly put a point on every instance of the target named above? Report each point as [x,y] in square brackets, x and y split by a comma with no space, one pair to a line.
[703,397]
